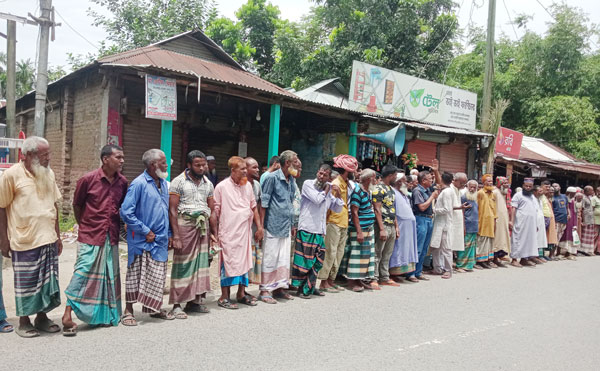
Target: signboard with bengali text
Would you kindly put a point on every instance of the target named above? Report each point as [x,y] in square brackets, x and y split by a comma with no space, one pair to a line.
[508,142]
[161,98]
[378,90]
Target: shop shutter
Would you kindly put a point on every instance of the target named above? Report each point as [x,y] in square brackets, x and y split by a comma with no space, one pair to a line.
[453,157]
[141,134]
[426,151]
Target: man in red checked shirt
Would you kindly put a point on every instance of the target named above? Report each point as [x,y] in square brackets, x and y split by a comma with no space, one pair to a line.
[94,293]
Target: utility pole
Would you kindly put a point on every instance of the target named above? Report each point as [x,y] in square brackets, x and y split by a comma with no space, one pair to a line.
[488,77]
[41,84]
[11,81]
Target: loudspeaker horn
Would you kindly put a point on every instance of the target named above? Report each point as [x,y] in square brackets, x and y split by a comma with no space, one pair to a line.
[392,139]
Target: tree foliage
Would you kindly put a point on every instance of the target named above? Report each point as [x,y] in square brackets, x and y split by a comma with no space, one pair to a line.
[25,76]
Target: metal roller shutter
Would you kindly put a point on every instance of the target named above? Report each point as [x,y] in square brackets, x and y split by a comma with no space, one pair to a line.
[141,134]
[453,157]
[426,151]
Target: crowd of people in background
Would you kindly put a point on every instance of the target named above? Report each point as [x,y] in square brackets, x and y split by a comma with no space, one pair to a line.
[350,228]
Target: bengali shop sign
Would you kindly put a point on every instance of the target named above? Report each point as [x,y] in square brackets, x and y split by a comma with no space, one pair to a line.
[508,142]
[378,90]
[161,98]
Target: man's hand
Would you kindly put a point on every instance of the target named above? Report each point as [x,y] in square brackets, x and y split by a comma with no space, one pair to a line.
[294,230]
[435,165]
[150,237]
[214,240]
[258,236]
[383,234]
[59,246]
[435,194]
[5,248]
[170,244]
[510,225]
[397,233]
[327,188]
[360,237]
[335,191]
[176,243]
[466,205]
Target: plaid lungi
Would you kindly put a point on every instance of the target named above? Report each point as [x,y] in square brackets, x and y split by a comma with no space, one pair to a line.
[145,282]
[309,254]
[94,293]
[560,230]
[359,258]
[36,280]
[588,234]
[466,259]
[190,274]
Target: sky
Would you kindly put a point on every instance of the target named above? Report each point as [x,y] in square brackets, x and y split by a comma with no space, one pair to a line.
[77,35]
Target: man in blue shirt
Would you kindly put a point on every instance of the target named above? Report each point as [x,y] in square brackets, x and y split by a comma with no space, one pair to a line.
[422,200]
[145,210]
[276,212]
[559,207]
[466,259]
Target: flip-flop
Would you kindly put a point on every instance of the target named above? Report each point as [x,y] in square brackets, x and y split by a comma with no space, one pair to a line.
[248,300]
[267,299]
[284,295]
[163,314]
[178,313]
[196,308]
[358,288]
[227,304]
[46,325]
[3,327]
[69,331]
[27,331]
[316,292]
[330,289]
[131,321]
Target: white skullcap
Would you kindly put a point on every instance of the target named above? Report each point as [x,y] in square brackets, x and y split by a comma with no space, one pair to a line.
[210,158]
[400,176]
[571,190]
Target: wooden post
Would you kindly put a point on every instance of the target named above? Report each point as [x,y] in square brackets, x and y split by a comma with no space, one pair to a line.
[274,131]
[166,142]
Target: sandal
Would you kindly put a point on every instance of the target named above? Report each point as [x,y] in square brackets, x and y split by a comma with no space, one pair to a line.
[316,292]
[446,275]
[127,319]
[47,325]
[27,331]
[358,288]
[412,279]
[330,289]
[69,331]
[163,314]
[196,308]
[248,300]
[6,327]
[227,304]
[339,288]
[178,313]
[302,295]
[267,299]
[284,295]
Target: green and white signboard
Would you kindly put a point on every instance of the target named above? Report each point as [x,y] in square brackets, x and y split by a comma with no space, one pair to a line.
[385,92]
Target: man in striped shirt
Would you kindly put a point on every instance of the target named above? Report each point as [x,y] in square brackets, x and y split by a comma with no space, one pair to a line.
[358,264]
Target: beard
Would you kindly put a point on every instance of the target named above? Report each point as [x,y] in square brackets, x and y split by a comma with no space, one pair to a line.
[320,185]
[43,177]
[471,196]
[371,188]
[527,193]
[195,174]
[244,181]
[404,189]
[293,171]
[504,190]
[488,188]
[161,174]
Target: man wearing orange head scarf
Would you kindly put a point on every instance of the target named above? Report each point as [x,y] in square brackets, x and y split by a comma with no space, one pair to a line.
[486,200]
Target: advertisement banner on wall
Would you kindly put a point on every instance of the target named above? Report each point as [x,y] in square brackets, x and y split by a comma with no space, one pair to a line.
[508,142]
[385,92]
[161,98]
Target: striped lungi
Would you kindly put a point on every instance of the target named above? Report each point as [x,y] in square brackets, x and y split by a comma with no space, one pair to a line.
[359,258]
[588,238]
[145,282]
[275,271]
[190,274]
[94,293]
[309,254]
[2,308]
[466,259]
[484,249]
[403,269]
[36,280]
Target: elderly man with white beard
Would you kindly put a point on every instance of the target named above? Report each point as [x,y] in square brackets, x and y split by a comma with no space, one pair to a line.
[501,246]
[145,210]
[30,233]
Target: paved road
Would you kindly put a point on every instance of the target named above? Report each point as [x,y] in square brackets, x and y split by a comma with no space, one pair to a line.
[543,318]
